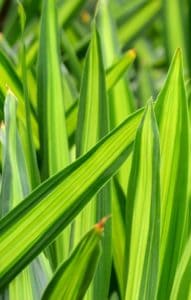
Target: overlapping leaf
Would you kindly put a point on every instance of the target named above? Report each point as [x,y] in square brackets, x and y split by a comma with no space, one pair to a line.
[72,283]
[143,212]
[15,186]
[59,200]
[53,136]
[172,117]
[92,125]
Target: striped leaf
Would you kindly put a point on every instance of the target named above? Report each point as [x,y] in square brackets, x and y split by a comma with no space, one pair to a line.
[119,107]
[115,72]
[10,79]
[143,211]
[92,109]
[52,127]
[181,288]
[113,75]
[172,117]
[121,104]
[30,149]
[30,283]
[60,199]
[71,283]
[50,95]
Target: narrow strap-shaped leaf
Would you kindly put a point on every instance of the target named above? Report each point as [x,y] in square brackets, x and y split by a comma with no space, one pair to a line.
[15,186]
[145,74]
[10,78]
[176,34]
[50,95]
[52,126]
[172,116]
[121,104]
[15,179]
[68,9]
[143,211]
[132,22]
[181,285]
[31,158]
[119,107]
[74,275]
[72,58]
[92,125]
[60,199]
[118,231]
[119,68]
[113,75]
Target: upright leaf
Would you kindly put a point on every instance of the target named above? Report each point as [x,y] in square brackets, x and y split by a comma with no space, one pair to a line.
[113,75]
[10,79]
[30,149]
[172,116]
[176,34]
[181,288]
[92,126]
[30,283]
[74,275]
[143,212]
[121,104]
[53,136]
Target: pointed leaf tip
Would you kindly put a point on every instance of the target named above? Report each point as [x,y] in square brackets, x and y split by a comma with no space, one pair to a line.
[177,58]
[10,92]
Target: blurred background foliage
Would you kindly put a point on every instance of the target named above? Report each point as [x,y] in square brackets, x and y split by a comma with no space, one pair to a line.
[154,28]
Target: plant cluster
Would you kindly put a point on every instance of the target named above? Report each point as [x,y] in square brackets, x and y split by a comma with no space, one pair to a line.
[95,198]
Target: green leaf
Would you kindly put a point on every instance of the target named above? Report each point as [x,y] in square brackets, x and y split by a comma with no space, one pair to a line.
[172,116]
[72,58]
[31,158]
[121,104]
[176,33]
[74,275]
[145,73]
[52,127]
[68,9]
[115,72]
[10,79]
[118,230]
[92,125]
[60,199]
[113,75]
[50,95]
[132,22]
[181,285]
[14,164]
[143,212]
[22,16]
[119,107]
[30,283]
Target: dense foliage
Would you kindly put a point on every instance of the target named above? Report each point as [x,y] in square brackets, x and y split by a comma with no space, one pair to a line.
[95,199]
